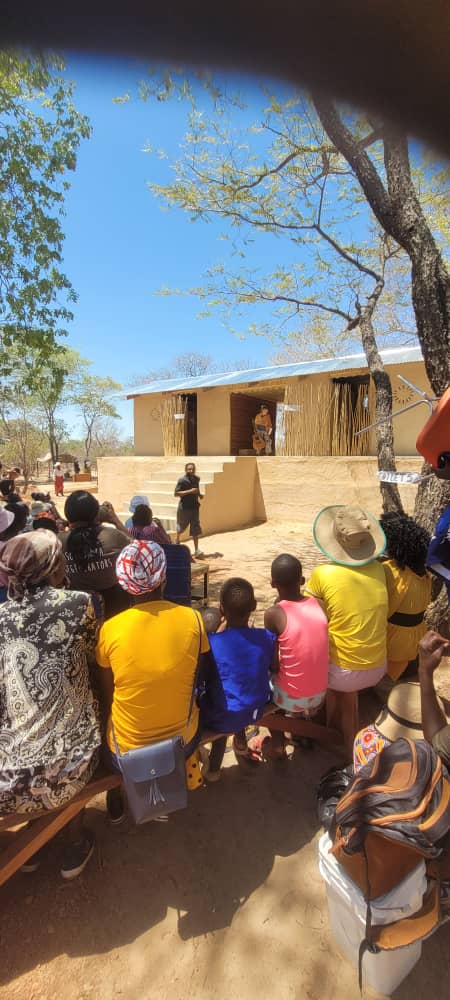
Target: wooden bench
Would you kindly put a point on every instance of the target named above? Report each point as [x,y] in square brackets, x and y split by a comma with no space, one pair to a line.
[28,837]
[275,721]
[27,840]
[325,736]
[201,570]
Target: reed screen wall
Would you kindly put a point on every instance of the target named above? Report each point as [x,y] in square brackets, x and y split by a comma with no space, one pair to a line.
[328,416]
[173,428]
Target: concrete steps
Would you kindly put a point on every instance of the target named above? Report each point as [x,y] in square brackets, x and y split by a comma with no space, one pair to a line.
[160,485]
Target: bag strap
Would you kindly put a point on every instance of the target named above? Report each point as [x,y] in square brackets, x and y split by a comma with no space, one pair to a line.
[118,753]
[197,670]
[367,942]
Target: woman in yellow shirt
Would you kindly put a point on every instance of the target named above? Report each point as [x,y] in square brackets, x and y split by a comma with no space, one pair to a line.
[408,586]
[148,657]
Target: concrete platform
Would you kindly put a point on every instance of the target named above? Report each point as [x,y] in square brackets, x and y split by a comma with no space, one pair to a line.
[240,491]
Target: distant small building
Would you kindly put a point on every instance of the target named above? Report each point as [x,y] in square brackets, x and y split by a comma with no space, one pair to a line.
[316,408]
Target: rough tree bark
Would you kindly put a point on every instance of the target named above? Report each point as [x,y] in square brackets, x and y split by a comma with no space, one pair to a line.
[400,213]
[390,494]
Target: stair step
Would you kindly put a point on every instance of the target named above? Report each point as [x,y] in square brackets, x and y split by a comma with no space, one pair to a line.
[159,494]
[163,506]
[168,521]
[169,484]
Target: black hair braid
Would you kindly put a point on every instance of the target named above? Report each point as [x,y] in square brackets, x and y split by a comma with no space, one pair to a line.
[407,542]
[81,540]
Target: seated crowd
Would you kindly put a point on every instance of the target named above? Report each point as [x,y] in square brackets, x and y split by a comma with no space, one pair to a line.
[96,662]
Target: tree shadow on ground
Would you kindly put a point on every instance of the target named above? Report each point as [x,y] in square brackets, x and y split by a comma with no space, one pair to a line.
[204,863]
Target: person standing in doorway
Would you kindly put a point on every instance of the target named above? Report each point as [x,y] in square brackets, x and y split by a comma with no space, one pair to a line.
[188,492]
[263,427]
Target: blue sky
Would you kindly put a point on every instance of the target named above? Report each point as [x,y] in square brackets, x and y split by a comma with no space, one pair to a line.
[121,247]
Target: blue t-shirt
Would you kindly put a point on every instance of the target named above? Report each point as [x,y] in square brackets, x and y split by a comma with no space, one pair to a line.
[438,555]
[237,688]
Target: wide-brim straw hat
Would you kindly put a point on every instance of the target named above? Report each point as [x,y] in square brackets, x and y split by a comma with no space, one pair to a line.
[349,536]
[401,717]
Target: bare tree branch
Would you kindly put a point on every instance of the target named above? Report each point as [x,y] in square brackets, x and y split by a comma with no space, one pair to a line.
[358,159]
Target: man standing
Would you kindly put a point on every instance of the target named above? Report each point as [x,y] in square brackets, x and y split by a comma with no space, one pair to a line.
[188,492]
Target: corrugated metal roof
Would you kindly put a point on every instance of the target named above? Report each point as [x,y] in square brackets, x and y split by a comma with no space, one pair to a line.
[392,356]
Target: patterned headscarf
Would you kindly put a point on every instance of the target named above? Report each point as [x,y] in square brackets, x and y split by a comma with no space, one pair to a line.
[141,567]
[29,559]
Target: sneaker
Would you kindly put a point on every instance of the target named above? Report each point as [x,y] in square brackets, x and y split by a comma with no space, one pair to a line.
[115,806]
[32,864]
[207,774]
[211,776]
[198,554]
[77,855]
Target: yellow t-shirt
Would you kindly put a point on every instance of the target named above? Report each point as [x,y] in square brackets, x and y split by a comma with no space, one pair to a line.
[355,601]
[152,651]
[408,594]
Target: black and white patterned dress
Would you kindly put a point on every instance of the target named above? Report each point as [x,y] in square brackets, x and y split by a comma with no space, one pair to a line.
[49,726]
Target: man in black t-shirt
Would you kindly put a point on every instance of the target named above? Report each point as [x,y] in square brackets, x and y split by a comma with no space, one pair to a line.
[188,492]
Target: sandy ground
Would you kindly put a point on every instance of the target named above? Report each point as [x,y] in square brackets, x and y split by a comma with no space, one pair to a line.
[222,902]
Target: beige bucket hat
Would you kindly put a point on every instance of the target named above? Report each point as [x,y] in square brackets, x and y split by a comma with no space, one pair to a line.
[349,536]
[402,715]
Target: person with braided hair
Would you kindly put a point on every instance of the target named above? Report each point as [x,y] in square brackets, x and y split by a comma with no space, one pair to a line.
[409,588]
[91,550]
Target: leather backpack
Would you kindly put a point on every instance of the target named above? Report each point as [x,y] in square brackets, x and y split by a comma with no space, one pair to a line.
[395,813]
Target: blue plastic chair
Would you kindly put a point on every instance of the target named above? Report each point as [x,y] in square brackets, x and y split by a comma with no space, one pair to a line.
[178,582]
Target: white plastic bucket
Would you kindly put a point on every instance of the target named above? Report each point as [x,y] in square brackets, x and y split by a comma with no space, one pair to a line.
[385,970]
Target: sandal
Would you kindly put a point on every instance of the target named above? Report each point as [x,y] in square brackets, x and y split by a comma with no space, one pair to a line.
[250,755]
[303,742]
[264,746]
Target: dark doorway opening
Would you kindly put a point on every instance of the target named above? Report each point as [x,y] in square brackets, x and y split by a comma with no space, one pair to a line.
[243,410]
[190,423]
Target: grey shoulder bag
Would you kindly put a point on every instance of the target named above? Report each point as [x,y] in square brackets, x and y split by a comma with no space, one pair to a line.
[154,776]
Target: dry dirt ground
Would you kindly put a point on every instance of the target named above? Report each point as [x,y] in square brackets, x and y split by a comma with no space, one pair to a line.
[222,902]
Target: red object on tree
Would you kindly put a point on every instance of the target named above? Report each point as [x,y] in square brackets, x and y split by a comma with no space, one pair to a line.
[434,438]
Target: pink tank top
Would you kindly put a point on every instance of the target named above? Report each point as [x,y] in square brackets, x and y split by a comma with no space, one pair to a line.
[303,649]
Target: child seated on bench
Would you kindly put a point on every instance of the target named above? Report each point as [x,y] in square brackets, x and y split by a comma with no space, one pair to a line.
[300,681]
[237,683]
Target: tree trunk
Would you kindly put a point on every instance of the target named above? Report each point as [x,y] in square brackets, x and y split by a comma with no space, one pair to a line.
[438,614]
[400,213]
[88,441]
[430,280]
[52,439]
[383,403]
[53,446]
[433,494]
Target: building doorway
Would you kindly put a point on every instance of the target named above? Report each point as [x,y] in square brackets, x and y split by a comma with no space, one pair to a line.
[190,423]
[243,409]
[350,412]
